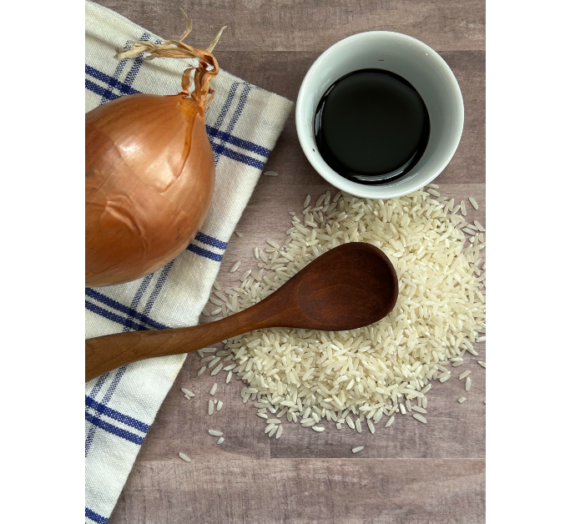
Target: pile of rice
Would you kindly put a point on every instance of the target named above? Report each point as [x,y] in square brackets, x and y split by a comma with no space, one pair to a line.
[379,369]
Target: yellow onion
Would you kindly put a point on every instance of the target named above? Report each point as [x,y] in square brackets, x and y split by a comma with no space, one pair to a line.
[149,171]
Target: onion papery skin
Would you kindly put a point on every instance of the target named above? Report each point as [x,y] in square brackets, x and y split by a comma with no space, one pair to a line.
[149,182]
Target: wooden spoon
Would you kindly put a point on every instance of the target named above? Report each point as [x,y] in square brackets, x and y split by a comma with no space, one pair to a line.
[348,287]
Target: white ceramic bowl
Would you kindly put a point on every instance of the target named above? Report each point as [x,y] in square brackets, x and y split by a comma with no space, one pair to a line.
[418,64]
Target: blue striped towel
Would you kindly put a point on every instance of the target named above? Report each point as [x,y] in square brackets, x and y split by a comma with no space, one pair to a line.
[243,124]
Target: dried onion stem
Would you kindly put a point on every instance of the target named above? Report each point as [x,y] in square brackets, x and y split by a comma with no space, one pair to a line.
[207,67]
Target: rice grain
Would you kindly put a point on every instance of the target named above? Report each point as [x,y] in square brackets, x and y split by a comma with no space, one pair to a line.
[184,457]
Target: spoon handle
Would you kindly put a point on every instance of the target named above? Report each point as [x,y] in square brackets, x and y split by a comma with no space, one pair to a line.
[102,354]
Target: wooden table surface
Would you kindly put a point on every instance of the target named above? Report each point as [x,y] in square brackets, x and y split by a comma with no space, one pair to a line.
[409,473]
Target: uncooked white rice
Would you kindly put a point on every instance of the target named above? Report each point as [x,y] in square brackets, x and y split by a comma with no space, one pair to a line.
[220,440]
[461,400]
[418,409]
[215,432]
[468,384]
[219,405]
[318,429]
[279,432]
[239,234]
[307,200]
[235,267]
[213,390]
[371,426]
[482,363]
[419,417]
[184,457]
[262,415]
[271,173]
[269,428]
[229,377]
[201,370]
[274,421]
[357,449]
[216,311]
[272,432]
[473,202]
[217,370]
[187,392]
[187,397]
[358,425]
[464,374]
[402,409]
[371,371]
[210,407]
[213,362]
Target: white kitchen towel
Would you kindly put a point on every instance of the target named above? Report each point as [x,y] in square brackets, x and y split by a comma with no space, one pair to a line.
[243,123]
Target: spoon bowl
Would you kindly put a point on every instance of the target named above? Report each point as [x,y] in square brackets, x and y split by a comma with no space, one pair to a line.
[348,287]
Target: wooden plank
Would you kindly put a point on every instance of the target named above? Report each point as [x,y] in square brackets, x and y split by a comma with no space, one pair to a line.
[348,491]
[411,472]
[290,25]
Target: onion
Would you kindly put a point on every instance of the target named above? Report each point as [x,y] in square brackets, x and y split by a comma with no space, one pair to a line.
[149,171]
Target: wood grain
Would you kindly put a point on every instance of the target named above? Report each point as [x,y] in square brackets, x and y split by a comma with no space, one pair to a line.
[348,491]
[408,473]
[299,25]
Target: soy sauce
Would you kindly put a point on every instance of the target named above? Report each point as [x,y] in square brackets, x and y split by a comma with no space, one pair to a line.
[372,126]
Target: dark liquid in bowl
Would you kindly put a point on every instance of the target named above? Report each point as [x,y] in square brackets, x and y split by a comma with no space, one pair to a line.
[372,126]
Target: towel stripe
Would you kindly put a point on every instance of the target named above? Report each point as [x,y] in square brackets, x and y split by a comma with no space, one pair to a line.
[211,241]
[141,317]
[115,318]
[114,414]
[239,157]
[239,142]
[205,253]
[114,430]
[95,517]
[110,81]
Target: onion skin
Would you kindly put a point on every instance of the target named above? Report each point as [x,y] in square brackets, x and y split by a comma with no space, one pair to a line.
[149,181]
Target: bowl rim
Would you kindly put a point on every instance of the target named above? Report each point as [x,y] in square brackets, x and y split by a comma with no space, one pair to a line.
[354,188]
